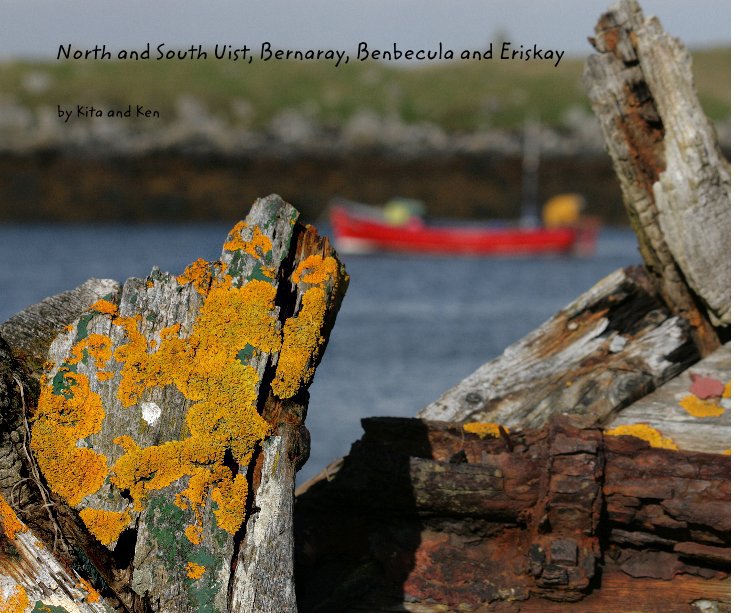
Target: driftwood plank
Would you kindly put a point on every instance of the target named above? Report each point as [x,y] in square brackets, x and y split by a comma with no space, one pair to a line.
[675,182]
[608,348]
[169,425]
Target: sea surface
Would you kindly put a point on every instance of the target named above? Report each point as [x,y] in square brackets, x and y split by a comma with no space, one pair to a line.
[409,327]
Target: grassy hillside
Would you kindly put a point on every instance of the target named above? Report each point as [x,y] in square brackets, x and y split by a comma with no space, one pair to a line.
[460,96]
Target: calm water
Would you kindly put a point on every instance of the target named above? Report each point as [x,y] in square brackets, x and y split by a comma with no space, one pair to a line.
[409,328]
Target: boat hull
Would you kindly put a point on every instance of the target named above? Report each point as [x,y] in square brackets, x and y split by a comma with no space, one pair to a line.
[355,234]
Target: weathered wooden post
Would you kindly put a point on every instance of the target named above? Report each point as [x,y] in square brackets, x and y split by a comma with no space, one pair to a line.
[675,182]
[169,427]
[635,329]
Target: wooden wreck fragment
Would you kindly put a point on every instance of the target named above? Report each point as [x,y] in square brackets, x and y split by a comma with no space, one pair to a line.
[30,574]
[585,469]
[608,348]
[169,423]
[467,518]
[692,412]
[617,342]
[30,332]
[675,182]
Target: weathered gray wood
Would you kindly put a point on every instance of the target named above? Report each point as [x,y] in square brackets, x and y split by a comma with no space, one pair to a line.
[31,331]
[169,424]
[706,425]
[608,348]
[263,578]
[674,179]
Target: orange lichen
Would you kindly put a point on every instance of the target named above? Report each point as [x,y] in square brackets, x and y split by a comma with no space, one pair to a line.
[206,369]
[9,521]
[727,452]
[96,346]
[234,238]
[301,340]
[106,526]
[483,429]
[701,408]
[212,367]
[104,306]
[644,432]
[195,571]
[268,271]
[257,246]
[231,497]
[727,390]
[62,419]
[199,274]
[92,594]
[315,269]
[16,601]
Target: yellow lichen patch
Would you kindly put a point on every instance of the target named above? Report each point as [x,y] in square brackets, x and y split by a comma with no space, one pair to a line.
[206,368]
[301,340]
[16,602]
[315,269]
[96,346]
[644,432]
[106,526]
[104,306]
[701,408]
[727,452]
[268,271]
[234,238]
[92,594]
[483,429]
[231,497]
[257,246]
[195,571]
[63,418]
[727,390]
[199,274]
[9,521]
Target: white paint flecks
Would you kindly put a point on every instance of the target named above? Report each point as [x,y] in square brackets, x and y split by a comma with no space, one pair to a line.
[151,412]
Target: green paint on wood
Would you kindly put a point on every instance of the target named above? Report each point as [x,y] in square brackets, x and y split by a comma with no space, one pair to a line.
[203,591]
[62,386]
[48,608]
[245,354]
[236,266]
[82,327]
[258,273]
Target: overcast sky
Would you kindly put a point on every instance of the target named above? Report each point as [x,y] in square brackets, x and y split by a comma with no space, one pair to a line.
[38,27]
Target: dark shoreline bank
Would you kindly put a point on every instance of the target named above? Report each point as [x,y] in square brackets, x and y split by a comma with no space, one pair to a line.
[58,186]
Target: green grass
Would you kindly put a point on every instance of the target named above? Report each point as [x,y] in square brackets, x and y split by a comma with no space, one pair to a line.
[461,96]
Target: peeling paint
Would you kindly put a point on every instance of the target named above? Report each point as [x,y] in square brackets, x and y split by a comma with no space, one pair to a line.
[151,412]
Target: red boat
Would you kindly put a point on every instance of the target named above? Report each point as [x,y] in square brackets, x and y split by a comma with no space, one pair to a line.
[356,231]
